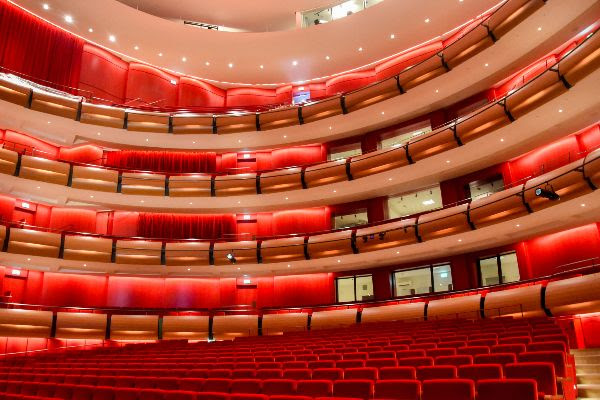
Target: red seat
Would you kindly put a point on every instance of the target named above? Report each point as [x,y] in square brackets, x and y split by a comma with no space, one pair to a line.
[453,344]
[436,372]
[248,396]
[167,383]
[268,373]
[551,338]
[289,397]
[542,372]
[297,374]
[330,357]
[410,354]
[547,346]
[212,396]
[243,373]
[381,362]
[361,373]
[245,386]
[331,374]
[344,364]
[498,358]
[216,385]
[191,384]
[440,352]
[218,373]
[448,389]
[154,394]
[321,364]
[482,342]
[279,386]
[473,350]
[515,348]
[457,361]
[557,358]
[315,388]
[415,361]
[358,388]
[382,354]
[515,339]
[477,372]
[397,373]
[295,364]
[502,389]
[356,356]
[399,389]
[100,393]
[125,393]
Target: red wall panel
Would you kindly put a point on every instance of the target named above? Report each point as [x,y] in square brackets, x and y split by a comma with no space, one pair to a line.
[73,220]
[192,293]
[125,223]
[310,289]
[308,220]
[298,156]
[248,96]
[548,252]
[87,154]
[135,292]
[7,206]
[73,290]
[146,84]
[397,64]
[103,74]
[227,288]
[589,139]
[30,145]
[348,82]
[195,93]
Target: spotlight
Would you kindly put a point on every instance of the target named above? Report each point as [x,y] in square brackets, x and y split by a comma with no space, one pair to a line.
[381,235]
[549,194]
[231,257]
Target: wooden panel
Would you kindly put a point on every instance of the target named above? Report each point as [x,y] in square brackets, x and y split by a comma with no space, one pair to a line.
[25,323]
[396,312]
[230,326]
[8,161]
[134,327]
[35,243]
[189,185]
[187,253]
[385,236]
[455,307]
[244,252]
[449,221]
[275,324]
[185,327]
[519,302]
[53,104]
[93,178]
[579,295]
[282,250]
[87,248]
[148,122]
[141,252]
[333,318]
[71,325]
[330,244]
[235,185]
[42,169]
[143,183]
[97,114]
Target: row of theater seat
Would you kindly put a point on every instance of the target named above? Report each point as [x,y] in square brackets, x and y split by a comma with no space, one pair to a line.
[548,85]
[434,389]
[569,182]
[481,34]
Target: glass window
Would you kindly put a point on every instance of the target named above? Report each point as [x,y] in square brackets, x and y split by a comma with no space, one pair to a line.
[344,152]
[412,282]
[442,278]
[350,220]
[501,268]
[419,281]
[510,267]
[345,289]
[415,203]
[354,288]
[402,135]
[481,189]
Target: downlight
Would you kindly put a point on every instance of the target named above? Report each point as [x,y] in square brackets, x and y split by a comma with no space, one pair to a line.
[547,193]
[231,258]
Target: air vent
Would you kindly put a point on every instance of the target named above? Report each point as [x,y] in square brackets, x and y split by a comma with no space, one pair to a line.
[201,25]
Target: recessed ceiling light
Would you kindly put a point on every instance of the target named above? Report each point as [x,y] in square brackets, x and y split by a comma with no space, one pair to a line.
[113,39]
[286,198]
[518,225]
[327,58]
[91,196]
[90,30]
[539,28]
[69,19]
[230,65]
[334,191]
[398,252]
[191,203]
[447,161]
[339,261]
[392,36]
[560,110]
[136,47]
[239,268]
[330,128]
[147,140]
[285,136]
[184,59]
[99,134]
[141,201]
[289,265]
[160,54]
[85,265]
[38,187]
[239,140]
[189,269]
[437,90]
[427,20]
[262,66]
[389,179]
[383,113]
[207,63]
[194,142]
[460,240]
[360,49]
[502,139]
[486,64]
[46,6]
[294,63]
[239,202]
[29,259]
[582,204]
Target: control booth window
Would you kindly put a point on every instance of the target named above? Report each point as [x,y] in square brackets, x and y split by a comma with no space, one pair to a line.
[350,220]
[423,280]
[354,288]
[498,269]
[415,202]
[343,152]
[401,136]
[483,188]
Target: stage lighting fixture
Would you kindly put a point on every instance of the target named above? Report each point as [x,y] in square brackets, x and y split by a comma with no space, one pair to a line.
[549,194]
[231,257]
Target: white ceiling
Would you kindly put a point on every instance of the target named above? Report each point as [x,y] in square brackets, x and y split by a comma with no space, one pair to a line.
[340,40]
[251,16]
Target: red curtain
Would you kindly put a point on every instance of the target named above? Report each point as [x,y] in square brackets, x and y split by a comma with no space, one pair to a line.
[40,51]
[163,161]
[177,226]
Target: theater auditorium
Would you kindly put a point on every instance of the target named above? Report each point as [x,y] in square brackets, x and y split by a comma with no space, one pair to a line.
[299,200]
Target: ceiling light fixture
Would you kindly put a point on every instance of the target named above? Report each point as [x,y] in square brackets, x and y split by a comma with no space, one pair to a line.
[160,54]
[262,66]
[207,63]
[184,59]
[294,63]
[112,38]
[136,47]
[327,58]
[360,49]
[230,65]
[69,19]
[91,30]
[45,6]
[427,20]
[392,36]
[539,28]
